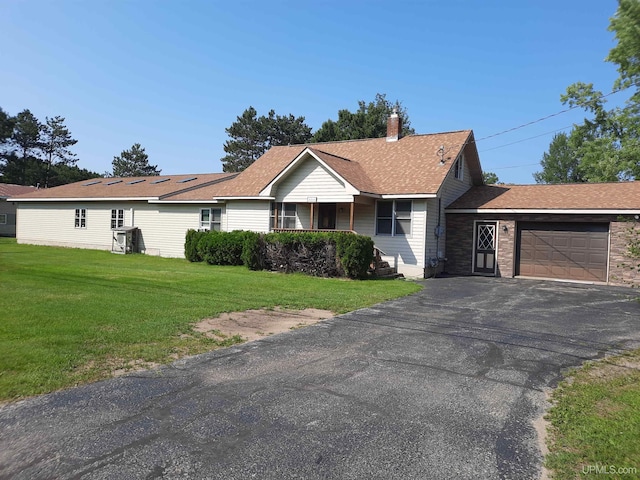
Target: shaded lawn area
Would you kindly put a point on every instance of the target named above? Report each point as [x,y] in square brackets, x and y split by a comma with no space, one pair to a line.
[71,316]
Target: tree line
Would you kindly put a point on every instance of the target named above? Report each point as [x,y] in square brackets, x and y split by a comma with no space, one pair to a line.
[605,147]
[40,153]
[252,135]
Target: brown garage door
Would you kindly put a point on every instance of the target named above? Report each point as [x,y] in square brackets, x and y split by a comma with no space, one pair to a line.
[560,250]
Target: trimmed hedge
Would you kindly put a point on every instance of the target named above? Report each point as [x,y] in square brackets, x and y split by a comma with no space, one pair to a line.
[327,254]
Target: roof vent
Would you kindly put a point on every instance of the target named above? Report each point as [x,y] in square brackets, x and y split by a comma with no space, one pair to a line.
[133,182]
[91,183]
[113,182]
[160,180]
[185,180]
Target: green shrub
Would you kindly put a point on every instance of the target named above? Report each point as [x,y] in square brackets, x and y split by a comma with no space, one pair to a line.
[253,251]
[191,245]
[221,248]
[355,253]
[325,254]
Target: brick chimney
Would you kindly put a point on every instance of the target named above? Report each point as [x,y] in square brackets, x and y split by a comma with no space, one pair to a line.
[394,127]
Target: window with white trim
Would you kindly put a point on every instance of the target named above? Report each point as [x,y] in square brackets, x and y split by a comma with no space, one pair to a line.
[3,218]
[286,215]
[393,217]
[81,218]
[117,218]
[211,219]
[459,168]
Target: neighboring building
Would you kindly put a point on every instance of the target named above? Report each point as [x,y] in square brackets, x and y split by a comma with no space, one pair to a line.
[8,208]
[394,189]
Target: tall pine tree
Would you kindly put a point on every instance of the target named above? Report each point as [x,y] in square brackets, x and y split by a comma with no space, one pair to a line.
[55,141]
[134,163]
[251,136]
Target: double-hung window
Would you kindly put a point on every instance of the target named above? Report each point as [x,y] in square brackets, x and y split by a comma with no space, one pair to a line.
[117,218]
[3,218]
[393,217]
[459,168]
[81,218]
[286,214]
[211,219]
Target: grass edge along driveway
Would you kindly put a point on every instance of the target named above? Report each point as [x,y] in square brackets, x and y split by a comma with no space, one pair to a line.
[71,316]
[594,421]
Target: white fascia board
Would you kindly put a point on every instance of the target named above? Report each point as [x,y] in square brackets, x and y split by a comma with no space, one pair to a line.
[211,200]
[83,199]
[542,210]
[409,195]
[224,199]
[268,190]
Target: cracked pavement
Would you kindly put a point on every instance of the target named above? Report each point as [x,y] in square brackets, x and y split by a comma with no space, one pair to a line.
[441,384]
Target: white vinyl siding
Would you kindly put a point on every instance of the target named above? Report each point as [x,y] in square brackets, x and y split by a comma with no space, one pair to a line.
[163,227]
[247,215]
[311,179]
[407,253]
[54,224]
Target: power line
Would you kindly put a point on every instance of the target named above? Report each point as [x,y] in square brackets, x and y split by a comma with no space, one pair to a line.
[547,117]
[525,139]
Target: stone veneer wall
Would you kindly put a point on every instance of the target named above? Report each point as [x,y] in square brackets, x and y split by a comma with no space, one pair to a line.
[459,246]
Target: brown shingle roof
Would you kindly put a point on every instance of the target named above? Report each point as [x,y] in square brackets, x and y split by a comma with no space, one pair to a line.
[128,187]
[9,190]
[575,196]
[410,165]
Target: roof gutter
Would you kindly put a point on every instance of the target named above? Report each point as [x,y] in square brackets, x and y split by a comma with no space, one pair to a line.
[583,211]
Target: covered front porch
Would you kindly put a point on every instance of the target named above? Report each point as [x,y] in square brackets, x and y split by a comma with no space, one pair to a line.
[314,216]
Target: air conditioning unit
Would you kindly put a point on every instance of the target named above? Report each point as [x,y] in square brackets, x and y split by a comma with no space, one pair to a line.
[125,240]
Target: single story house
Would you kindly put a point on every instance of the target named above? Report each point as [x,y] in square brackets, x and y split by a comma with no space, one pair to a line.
[8,208]
[414,196]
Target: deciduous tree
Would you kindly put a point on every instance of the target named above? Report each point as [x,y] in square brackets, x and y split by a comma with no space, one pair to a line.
[490,178]
[368,121]
[560,164]
[606,146]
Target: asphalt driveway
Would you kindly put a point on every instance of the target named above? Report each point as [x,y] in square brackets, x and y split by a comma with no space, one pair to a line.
[442,384]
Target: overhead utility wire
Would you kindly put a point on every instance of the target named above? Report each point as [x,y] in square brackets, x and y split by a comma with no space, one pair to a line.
[450,147]
[546,117]
[525,139]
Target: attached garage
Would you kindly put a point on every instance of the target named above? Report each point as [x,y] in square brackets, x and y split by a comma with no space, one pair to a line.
[576,232]
[563,251]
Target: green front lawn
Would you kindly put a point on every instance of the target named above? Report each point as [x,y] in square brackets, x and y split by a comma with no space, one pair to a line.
[70,316]
[594,427]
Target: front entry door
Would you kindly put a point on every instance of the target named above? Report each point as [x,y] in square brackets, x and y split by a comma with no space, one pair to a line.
[485,248]
[327,216]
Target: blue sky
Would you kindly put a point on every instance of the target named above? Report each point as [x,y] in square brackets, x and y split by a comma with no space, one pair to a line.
[172,75]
